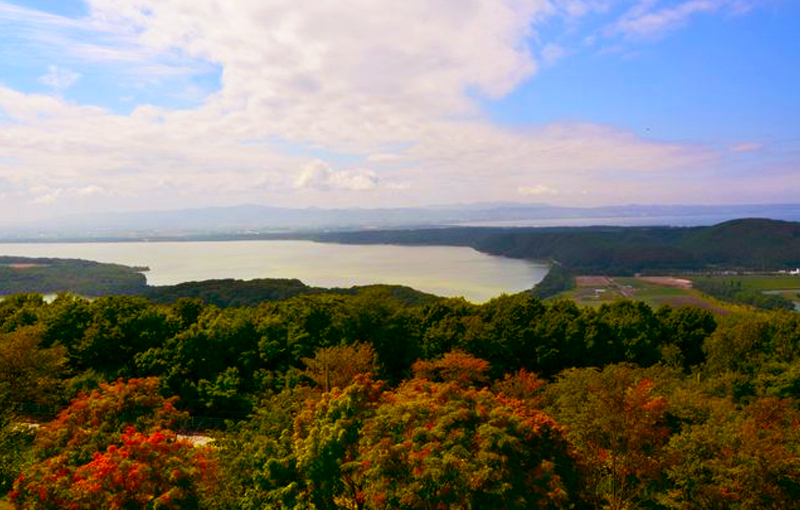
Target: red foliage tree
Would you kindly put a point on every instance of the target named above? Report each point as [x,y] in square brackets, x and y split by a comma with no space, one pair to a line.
[110,449]
[456,366]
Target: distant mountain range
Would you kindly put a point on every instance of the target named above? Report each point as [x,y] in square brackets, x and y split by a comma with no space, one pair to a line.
[250,219]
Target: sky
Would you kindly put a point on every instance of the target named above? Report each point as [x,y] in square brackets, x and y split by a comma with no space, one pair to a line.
[124,105]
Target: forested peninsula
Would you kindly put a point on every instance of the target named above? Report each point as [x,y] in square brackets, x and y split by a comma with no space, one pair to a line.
[83,277]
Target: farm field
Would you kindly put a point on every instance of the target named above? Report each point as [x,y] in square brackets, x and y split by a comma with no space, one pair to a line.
[660,290]
[655,291]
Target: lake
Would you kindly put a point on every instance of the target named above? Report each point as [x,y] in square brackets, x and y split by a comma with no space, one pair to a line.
[441,270]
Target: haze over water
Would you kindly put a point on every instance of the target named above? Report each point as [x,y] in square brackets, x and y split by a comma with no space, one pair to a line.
[441,270]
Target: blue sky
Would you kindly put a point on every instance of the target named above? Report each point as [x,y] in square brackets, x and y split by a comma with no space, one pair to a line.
[157,104]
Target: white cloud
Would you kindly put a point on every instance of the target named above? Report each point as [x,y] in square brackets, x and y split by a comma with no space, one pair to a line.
[90,190]
[319,175]
[86,43]
[46,196]
[536,190]
[391,84]
[646,19]
[273,52]
[59,78]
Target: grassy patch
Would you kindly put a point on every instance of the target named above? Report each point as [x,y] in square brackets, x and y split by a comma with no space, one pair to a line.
[759,282]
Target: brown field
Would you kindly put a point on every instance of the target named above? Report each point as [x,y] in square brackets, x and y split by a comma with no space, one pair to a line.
[592,281]
[667,281]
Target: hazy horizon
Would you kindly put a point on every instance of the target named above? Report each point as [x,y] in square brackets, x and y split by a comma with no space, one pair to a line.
[140,105]
[247,218]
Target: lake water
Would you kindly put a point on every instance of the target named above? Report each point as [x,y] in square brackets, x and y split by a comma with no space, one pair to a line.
[440,270]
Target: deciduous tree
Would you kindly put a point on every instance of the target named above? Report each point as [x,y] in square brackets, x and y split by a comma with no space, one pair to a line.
[112,448]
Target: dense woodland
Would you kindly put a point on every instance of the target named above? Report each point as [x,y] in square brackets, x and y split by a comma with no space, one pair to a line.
[369,400]
[744,244]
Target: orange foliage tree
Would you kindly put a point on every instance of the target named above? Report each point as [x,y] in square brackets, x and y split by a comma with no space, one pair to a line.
[456,366]
[618,419]
[439,445]
[737,457]
[112,449]
[431,444]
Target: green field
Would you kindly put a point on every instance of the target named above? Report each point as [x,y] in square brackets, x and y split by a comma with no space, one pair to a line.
[761,282]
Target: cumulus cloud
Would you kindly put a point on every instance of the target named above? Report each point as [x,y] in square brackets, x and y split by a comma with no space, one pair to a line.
[318,174]
[274,51]
[393,85]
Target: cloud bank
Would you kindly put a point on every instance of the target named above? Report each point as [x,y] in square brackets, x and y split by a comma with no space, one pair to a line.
[346,103]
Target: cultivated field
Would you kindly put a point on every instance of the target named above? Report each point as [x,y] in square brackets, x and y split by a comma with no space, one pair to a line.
[655,291]
[660,290]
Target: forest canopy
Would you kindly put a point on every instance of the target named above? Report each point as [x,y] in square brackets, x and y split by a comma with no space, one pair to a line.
[369,401]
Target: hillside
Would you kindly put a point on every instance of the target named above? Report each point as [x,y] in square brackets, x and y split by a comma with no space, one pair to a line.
[745,244]
[753,242]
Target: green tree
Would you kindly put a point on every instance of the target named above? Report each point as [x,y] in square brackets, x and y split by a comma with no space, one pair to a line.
[687,327]
[443,326]
[504,333]
[739,344]
[20,310]
[16,443]
[256,456]
[562,333]
[326,440]
[121,327]
[633,331]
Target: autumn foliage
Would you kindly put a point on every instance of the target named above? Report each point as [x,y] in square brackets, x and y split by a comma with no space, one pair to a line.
[111,449]
[515,403]
[431,445]
[456,366]
[439,445]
